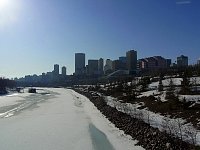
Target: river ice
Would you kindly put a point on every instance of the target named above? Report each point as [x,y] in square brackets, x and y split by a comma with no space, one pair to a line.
[60,120]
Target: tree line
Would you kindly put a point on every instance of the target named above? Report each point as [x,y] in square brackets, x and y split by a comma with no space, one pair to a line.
[6,83]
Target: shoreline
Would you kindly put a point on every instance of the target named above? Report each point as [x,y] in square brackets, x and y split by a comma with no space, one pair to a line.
[147,136]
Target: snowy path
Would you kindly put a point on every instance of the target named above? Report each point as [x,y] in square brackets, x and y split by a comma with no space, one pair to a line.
[67,120]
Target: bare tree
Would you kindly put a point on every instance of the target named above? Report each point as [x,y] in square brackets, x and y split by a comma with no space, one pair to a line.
[146,114]
[177,128]
[170,90]
[160,85]
[185,84]
[194,84]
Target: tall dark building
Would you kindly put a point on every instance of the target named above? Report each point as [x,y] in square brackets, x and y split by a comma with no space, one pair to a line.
[100,66]
[108,66]
[131,60]
[64,71]
[123,59]
[168,62]
[79,63]
[182,61]
[116,65]
[123,62]
[92,67]
[56,70]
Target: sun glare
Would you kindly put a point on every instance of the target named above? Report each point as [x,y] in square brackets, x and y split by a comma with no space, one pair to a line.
[4,3]
[9,10]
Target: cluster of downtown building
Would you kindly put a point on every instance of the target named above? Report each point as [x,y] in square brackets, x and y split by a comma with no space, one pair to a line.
[45,79]
[124,66]
[97,68]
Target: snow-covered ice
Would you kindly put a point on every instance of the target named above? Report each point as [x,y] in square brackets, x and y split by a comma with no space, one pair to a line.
[66,120]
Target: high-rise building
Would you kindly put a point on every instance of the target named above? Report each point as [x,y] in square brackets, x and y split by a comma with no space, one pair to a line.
[100,66]
[108,66]
[64,71]
[182,61]
[123,62]
[56,70]
[109,63]
[79,63]
[168,62]
[123,59]
[152,63]
[160,62]
[92,67]
[131,60]
[116,65]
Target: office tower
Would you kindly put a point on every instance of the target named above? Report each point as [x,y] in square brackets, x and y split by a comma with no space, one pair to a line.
[123,59]
[92,67]
[123,62]
[108,66]
[79,63]
[100,66]
[64,71]
[168,62]
[56,70]
[116,65]
[131,60]
[182,61]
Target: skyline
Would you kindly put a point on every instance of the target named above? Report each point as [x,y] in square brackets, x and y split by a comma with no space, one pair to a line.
[62,70]
[34,35]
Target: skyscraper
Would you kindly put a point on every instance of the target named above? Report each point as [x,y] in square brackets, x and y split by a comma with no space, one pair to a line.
[93,67]
[108,66]
[182,61]
[123,62]
[116,65]
[56,70]
[131,60]
[100,66]
[123,59]
[64,71]
[168,62]
[79,63]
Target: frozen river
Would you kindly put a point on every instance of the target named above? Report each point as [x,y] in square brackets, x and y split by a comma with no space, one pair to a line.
[57,119]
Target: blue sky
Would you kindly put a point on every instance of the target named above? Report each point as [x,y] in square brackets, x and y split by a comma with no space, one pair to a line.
[36,34]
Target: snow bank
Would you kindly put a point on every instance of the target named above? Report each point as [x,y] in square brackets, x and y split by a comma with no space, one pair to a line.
[156,120]
[176,81]
[194,98]
[148,93]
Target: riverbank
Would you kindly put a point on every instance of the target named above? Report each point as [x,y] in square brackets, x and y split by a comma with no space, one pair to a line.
[148,137]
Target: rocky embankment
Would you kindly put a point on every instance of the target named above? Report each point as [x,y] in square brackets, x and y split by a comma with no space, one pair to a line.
[148,137]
